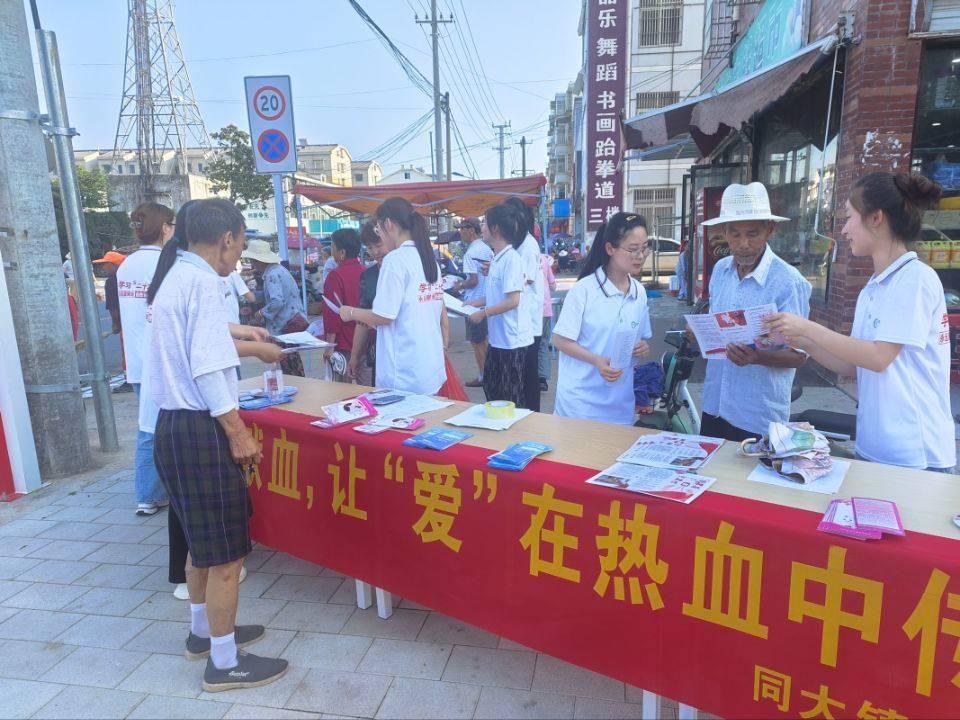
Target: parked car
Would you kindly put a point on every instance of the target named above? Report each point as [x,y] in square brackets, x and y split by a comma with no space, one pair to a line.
[666,251]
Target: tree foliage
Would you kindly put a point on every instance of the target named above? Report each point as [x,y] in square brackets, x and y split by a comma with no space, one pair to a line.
[233,170]
[105,229]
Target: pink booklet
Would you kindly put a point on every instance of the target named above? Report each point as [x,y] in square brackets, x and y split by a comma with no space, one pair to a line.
[839,520]
[877,515]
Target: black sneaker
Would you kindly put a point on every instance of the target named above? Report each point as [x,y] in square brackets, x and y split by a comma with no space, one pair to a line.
[198,648]
[251,671]
[543,385]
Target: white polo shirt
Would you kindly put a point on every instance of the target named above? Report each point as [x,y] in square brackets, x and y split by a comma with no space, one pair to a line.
[133,281]
[532,300]
[509,330]
[234,288]
[409,349]
[904,417]
[599,317]
[478,252]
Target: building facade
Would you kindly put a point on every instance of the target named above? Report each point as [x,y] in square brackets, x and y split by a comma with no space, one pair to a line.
[367,172]
[327,163]
[560,167]
[406,174]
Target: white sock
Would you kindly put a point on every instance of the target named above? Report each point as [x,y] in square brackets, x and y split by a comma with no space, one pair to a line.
[199,625]
[223,651]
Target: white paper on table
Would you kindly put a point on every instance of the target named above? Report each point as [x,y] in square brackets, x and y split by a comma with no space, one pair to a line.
[457,306]
[658,482]
[829,484]
[715,331]
[672,450]
[411,406]
[303,339]
[475,417]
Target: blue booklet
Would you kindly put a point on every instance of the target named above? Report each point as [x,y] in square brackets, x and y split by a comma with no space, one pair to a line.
[258,400]
[517,456]
[437,438]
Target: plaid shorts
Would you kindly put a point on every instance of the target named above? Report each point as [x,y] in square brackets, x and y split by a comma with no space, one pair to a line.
[208,491]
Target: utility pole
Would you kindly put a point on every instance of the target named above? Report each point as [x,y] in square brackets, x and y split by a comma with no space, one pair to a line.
[446,106]
[501,149]
[28,240]
[523,154]
[433,22]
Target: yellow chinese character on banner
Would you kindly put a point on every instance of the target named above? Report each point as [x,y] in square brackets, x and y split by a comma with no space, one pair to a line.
[831,613]
[284,474]
[253,471]
[436,491]
[555,535]
[868,712]
[926,621]
[823,704]
[636,540]
[740,563]
[478,484]
[345,500]
[771,685]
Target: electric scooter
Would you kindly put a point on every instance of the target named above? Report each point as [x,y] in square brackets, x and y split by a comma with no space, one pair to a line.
[675,410]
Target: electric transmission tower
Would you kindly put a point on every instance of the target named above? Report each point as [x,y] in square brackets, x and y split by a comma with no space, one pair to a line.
[158,112]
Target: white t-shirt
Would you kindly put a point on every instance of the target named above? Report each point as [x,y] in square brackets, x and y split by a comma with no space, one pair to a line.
[509,330]
[602,319]
[532,299]
[477,253]
[190,335]
[409,349]
[234,288]
[328,267]
[133,281]
[903,417]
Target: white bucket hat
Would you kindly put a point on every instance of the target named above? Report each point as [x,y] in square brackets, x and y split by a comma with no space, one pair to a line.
[744,203]
[260,250]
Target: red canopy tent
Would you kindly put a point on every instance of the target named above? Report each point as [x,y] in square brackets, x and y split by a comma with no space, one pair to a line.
[466,198]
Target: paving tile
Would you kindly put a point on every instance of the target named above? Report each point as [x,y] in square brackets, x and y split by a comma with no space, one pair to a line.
[326,651]
[70,531]
[56,571]
[162,606]
[82,499]
[156,579]
[90,702]
[108,601]
[44,596]
[591,708]
[303,588]
[22,527]
[406,658]
[12,567]
[256,583]
[283,564]
[162,636]
[554,675]
[259,611]
[11,587]
[160,557]
[255,560]
[442,629]
[312,616]
[95,667]
[66,550]
[273,644]
[506,644]
[162,708]
[122,500]
[123,534]
[402,625]
[411,605]
[114,576]
[22,698]
[121,553]
[103,631]
[6,612]
[14,546]
[26,659]
[167,675]
[498,703]
[252,712]
[327,572]
[486,666]
[274,695]
[160,536]
[411,698]
[119,516]
[75,514]
[346,594]
[40,625]
[342,693]
[101,486]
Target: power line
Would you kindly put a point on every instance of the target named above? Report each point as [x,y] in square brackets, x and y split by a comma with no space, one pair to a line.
[416,77]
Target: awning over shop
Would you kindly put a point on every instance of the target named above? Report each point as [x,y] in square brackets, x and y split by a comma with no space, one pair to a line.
[465,198]
[708,118]
[683,148]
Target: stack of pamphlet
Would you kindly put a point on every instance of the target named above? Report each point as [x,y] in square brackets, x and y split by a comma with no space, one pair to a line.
[862,519]
[517,456]
[437,438]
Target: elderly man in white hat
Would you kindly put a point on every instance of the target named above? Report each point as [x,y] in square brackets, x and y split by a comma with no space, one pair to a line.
[750,388]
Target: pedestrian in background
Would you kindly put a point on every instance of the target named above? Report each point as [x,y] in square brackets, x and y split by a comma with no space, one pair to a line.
[153,225]
[342,287]
[362,365]
[235,289]
[478,254]
[111,262]
[329,264]
[531,302]
[545,354]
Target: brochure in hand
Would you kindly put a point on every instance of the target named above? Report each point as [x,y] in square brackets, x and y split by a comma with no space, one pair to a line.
[437,438]
[517,456]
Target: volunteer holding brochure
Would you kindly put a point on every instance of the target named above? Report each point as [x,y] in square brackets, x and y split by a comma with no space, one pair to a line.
[603,326]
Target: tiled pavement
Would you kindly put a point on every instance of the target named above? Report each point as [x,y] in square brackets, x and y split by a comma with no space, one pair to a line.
[89,628]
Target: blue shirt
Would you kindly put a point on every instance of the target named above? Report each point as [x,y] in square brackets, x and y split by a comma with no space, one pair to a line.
[281,297]
[753,396]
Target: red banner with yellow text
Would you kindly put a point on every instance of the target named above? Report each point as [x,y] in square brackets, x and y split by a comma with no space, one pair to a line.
[730,605]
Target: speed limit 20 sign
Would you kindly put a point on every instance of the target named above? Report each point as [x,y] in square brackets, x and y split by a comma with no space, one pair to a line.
[270,114]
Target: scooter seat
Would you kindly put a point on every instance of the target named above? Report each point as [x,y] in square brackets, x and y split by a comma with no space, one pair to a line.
[836,426]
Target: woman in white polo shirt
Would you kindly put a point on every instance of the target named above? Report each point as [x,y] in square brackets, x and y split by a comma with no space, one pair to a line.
[900,345]
[509,330]
[408,305]
[603,326]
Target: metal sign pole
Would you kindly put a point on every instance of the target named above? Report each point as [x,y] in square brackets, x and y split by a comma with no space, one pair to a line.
[303,256]
[281,214]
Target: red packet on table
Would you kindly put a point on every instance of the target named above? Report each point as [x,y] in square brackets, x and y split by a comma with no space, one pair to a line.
[839,520]
[345,411]
[878,515]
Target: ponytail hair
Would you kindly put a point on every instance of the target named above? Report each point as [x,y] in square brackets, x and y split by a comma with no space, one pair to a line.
[168,256]
[902,197]
[525,211]
[148,220]
[613,232]
[509,222]
[406,218]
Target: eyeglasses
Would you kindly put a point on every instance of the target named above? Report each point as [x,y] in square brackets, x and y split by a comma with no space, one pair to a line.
[639,253]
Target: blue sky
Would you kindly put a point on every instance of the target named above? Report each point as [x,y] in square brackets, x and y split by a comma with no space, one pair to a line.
[354,92]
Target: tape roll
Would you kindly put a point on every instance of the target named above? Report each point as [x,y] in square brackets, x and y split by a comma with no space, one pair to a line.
[499,409]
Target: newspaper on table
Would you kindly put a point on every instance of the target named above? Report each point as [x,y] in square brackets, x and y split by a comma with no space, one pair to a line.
[796,451]
[658,482]
[672,450]
[715,331]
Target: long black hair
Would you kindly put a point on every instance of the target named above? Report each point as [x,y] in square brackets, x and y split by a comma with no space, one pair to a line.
[509,222]
[612,231]
[525,211]
[903,198]
[199,222]
[406,218]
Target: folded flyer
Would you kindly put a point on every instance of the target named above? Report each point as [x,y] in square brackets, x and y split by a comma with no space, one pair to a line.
[657,482]
[877,515]
[839,520]
[517,456]
[672,450]
[345,411]
[437,438]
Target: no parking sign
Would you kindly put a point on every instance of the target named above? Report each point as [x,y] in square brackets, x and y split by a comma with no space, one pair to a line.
[270,114]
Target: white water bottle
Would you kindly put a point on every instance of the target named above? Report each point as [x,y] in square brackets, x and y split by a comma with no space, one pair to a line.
[273,382]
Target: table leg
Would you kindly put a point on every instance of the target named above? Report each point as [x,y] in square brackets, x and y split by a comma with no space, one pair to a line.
[364,596]
[384,604]
[651,706]
[685,712]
